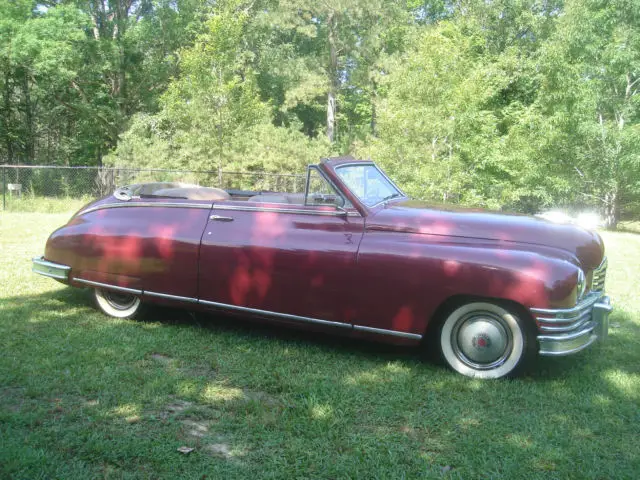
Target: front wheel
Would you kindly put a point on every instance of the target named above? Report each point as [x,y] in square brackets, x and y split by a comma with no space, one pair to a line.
[485,340]
[117,304]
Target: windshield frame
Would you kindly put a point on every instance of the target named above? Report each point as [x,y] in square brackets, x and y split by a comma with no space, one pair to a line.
[380,171]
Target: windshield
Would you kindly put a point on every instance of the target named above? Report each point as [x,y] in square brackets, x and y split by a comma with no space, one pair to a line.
[368,183]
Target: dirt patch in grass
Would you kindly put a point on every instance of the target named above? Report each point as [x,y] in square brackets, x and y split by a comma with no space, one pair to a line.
[173,409]
[221,450]
[162,358]
[198,371]
[12,398]
[198,433]
[196,428]
[262,398]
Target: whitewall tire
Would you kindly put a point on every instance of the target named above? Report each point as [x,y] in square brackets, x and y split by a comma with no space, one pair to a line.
[486,340]
[117,304]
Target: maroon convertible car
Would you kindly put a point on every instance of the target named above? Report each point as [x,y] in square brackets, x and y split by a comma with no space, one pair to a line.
[351,254]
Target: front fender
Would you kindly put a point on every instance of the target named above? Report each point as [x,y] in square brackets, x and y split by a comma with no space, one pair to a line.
[408,276]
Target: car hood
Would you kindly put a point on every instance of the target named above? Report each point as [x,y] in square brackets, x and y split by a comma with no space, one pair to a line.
[414,216]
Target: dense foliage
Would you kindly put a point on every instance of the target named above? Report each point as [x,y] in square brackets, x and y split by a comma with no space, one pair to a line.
[509,104]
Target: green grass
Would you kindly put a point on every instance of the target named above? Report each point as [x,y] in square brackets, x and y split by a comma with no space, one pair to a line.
[36,204]
[85,396]
[632,226]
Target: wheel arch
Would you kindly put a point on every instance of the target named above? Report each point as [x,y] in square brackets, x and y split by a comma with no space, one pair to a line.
[449,304]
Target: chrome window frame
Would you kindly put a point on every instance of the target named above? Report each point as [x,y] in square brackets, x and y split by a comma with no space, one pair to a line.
[286,209]
[346,202]
[359,164]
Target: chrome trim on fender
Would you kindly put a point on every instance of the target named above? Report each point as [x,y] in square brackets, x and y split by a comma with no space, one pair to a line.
[250,208]
[109,286]
[170,297]
[50,269]
[145,204]
[383,331]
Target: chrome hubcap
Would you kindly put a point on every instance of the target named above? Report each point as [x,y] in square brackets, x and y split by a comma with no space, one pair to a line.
[481,340]
[120,301]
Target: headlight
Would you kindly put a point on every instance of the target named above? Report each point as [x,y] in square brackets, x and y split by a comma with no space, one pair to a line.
[581,285]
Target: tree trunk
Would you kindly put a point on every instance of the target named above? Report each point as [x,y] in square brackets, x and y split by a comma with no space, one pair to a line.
[6,117]
[29,141]
[333,78]
[374,117]
[331,116]
[612,210]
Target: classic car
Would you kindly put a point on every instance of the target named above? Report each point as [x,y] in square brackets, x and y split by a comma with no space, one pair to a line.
[352,254]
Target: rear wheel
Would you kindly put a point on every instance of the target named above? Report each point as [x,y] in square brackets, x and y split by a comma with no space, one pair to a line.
[486,340]
[117,304]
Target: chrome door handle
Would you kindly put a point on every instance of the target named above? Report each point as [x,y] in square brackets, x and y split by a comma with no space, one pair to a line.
[220,218]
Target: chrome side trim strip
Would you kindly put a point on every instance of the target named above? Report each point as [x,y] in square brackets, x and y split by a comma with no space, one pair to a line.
[217,206]
[288,316]
[250,208]
[106,285]
[170,297]
[146,204]
[383,331]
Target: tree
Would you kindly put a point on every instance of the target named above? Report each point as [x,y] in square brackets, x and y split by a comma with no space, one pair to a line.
[591,71]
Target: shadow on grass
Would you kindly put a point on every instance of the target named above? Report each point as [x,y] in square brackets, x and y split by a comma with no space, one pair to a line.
[94,393]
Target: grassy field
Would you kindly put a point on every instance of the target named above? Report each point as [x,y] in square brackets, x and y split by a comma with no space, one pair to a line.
[30,203]
[85,396]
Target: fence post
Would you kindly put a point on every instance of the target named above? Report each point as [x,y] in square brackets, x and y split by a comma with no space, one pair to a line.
[4,188]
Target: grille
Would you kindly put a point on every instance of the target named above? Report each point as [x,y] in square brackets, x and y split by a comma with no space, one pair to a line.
[599,274]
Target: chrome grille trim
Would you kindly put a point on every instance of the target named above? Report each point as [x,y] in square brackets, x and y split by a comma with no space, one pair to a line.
[565,331]
[567,314]
[599,275]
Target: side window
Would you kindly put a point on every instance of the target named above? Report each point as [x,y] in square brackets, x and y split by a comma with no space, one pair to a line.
[320,192]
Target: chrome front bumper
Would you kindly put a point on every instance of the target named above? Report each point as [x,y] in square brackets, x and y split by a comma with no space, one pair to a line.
[51,269]
[567,331]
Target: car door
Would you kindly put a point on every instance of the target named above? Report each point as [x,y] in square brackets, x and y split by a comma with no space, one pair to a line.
[293,260]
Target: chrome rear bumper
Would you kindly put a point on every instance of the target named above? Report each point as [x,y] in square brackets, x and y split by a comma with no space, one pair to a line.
[567,331]
[51,269]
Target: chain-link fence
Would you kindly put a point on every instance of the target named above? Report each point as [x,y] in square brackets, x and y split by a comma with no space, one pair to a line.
[21,184]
